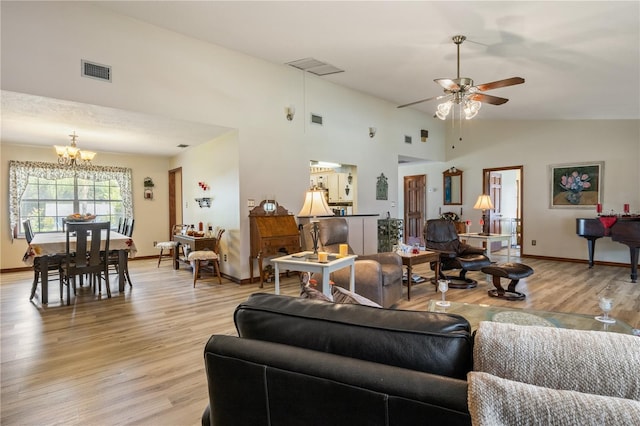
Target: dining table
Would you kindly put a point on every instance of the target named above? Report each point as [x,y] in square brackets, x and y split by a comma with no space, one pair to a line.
[46,244]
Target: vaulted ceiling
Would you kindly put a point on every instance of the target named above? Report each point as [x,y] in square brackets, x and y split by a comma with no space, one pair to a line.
[580,60]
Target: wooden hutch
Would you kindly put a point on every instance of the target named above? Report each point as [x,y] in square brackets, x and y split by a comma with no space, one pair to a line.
[272,233]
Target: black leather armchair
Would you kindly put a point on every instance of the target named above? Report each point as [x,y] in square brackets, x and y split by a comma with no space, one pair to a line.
[440,235]
[378,276]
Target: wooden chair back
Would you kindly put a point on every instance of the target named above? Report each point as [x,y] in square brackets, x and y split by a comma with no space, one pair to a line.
[216,245]
[121,223]
[28,231]
[87,257]
[128,227]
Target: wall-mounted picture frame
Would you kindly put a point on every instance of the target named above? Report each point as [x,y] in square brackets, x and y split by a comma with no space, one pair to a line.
[576,185]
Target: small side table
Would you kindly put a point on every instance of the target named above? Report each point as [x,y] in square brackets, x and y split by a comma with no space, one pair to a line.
[300,262]
[411,259]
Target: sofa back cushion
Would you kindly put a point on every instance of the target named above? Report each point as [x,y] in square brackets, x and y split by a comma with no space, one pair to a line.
[595,362]
[424,341]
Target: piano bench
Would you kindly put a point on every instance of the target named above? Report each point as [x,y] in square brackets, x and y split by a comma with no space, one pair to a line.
[515,272]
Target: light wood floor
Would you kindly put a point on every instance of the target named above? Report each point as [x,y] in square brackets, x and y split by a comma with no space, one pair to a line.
[138,358]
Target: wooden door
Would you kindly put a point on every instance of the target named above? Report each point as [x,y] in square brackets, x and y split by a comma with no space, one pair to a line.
[414,207]
[495,215]
[175,197]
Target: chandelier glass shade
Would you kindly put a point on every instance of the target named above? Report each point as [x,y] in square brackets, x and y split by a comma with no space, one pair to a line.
[468,107]
[71,155]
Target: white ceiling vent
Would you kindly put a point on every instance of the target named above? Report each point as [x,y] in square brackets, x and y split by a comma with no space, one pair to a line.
[97,71]
[315,66]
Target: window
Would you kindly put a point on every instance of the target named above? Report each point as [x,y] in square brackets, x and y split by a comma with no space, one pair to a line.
[46,193]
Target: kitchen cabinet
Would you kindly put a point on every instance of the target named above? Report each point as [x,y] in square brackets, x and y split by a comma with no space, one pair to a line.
[338,183]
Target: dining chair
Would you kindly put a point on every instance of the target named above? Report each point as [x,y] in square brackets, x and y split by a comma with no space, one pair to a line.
[197,257]
[92,240]
[128,226]
[169,245]
[53,264]
[125,227]
[121,225]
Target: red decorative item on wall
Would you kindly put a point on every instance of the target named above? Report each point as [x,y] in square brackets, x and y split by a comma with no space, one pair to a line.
[203,186]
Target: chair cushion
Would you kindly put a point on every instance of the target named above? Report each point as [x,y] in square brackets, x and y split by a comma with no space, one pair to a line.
[514,271]
[473,262]
[166,244]
[202,255]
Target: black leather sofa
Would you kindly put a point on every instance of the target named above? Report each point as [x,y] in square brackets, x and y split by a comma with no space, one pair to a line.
[308,362]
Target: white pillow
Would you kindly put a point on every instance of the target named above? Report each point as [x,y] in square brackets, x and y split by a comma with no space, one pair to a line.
[342,295]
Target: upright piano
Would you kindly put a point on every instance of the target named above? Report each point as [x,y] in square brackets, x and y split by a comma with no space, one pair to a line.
[624,229]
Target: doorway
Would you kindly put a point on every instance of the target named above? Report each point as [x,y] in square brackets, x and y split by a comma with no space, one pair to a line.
[414,207]
[175,197]
[504,186]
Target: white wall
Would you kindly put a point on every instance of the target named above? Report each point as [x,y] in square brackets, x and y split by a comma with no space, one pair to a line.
[152,216]
[216,164]
[536,145]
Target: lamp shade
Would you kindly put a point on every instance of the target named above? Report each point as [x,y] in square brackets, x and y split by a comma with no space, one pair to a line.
[483,203]
[315,205]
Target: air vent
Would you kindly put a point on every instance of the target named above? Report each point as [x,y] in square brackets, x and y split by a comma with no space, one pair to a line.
[97,71]
[317,119]
[407,139]
[182,146]
[315,66]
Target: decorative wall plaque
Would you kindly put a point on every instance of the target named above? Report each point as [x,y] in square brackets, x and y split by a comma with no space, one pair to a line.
[382,188]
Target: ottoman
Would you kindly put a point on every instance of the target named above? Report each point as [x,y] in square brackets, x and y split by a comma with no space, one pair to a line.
[513,271]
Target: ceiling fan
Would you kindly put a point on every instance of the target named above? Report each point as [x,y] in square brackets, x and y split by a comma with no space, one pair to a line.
[461,91]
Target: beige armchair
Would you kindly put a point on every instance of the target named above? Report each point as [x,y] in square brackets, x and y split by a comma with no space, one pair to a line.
[378,276]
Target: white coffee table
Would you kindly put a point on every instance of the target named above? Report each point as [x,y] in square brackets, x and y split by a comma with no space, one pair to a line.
[300,262]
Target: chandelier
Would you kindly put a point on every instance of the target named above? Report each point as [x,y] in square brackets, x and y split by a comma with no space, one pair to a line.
[71,155]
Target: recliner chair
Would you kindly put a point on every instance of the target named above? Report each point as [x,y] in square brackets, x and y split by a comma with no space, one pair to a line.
[378,276]
[440,235]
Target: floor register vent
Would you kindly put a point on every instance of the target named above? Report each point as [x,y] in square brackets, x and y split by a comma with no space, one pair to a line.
[97,71]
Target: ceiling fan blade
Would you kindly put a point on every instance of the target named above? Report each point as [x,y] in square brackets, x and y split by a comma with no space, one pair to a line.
[500,83]
[448,84]
[488,99]
[435,98]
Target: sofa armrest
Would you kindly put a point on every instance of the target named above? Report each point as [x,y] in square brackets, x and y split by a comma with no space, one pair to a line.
[368,278]
[249,379]
[386,258]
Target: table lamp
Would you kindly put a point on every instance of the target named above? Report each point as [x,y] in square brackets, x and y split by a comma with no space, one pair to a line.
[484,203]
[315,204]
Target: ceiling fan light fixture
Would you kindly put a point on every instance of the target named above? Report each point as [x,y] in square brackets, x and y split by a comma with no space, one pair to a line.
[471,109]
[443,110]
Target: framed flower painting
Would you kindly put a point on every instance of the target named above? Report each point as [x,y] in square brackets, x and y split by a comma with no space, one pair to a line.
[576,185]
